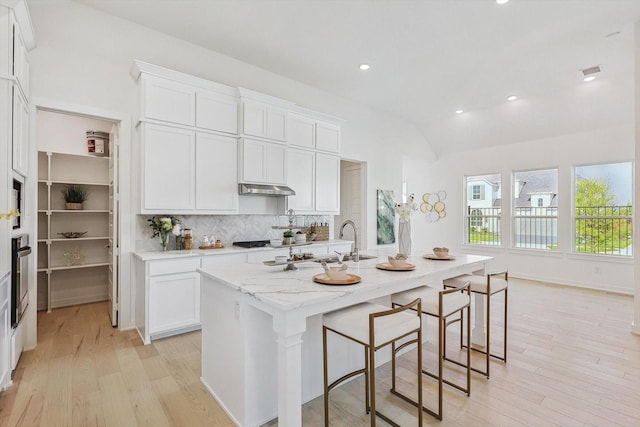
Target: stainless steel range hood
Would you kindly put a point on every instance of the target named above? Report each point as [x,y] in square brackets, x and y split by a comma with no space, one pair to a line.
[265,190]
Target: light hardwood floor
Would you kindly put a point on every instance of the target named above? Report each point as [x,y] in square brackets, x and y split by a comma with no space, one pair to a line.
[572,362]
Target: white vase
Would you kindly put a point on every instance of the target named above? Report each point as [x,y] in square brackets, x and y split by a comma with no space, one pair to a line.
[404,238]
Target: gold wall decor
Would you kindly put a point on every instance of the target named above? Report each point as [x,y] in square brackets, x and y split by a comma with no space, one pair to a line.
[433,205]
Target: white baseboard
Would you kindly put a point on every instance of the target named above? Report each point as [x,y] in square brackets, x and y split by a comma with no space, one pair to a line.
[575,284]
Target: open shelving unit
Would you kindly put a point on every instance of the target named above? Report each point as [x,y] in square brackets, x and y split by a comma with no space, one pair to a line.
[84,279]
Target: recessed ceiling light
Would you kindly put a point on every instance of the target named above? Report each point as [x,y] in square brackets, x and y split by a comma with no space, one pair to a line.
[502,1]
[364,67]
[589,78]
[459,111]
[511,98]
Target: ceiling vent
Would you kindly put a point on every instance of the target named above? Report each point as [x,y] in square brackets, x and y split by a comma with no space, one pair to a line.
[590,72]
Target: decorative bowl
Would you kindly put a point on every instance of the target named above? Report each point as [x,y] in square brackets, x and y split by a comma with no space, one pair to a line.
[300,238]
[441,252]
[397,262]
[337,273]
[72,234]
[281,259]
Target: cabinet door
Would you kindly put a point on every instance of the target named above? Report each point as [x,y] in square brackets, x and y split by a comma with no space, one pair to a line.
[168,158]
[277,123]
[276,163]
[174,302]
[216,173]
[301,167]
[216,111]
[252,161]
[327,183]
[254,118]
[5,368]
[20,140]
[328,137]
[168,101]
[20,61]
[302,131]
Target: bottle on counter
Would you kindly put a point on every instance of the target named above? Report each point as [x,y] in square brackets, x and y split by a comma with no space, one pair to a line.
[188,239]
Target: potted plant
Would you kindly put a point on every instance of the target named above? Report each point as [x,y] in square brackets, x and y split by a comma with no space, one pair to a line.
[287,237]
[74,196]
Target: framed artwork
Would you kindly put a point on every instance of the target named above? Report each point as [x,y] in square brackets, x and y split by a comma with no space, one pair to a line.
[386,217]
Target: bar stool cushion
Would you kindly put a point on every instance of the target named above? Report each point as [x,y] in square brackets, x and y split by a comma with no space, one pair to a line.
[478,283]
[354,322]
[430,300]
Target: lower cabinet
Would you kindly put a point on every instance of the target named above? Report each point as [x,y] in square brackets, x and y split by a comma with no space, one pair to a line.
[174,302]
[167,297]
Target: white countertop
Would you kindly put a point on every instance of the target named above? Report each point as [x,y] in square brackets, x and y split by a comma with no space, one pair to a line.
[159,255]
[289,290]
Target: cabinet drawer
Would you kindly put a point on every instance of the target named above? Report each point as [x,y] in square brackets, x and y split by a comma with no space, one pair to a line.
[186,265]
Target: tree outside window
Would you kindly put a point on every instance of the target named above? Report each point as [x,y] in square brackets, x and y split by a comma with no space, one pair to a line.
[603,209]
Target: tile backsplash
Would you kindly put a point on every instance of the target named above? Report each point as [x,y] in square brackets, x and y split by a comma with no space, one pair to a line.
[227,228]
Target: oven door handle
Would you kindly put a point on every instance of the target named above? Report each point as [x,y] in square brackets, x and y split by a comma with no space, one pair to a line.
[24,251]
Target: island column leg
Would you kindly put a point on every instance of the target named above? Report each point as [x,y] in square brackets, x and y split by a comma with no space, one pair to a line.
[478,335]
[289,329]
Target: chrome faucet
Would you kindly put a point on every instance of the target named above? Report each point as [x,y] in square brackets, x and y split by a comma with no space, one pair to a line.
[355,253]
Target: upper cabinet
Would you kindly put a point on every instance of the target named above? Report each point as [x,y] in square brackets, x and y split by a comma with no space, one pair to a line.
[310,132]
[216,111]
[168,101]
[262,162]
[20,127]
[262,120]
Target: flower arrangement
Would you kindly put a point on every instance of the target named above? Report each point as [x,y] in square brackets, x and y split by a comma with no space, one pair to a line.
[11,214]
[162,227]
[405,209]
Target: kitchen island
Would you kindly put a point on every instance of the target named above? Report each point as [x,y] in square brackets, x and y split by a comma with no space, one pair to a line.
[261,330]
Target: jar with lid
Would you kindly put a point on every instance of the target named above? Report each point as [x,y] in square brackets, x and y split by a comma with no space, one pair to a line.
[188,239]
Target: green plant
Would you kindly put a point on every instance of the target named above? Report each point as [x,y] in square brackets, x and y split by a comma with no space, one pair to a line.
[74,194]
[287,233]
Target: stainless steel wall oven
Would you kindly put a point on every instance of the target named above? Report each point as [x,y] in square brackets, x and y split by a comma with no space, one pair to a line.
[20,250]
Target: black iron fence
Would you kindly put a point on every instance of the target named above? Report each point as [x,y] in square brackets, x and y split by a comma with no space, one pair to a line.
[598,229]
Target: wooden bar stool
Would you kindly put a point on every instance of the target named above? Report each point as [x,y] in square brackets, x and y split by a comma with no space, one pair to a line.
[374,326]
[487,286]
[441,304]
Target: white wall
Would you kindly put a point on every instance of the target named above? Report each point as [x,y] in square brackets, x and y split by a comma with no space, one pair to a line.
[563,152]
[635,327]
[84,57]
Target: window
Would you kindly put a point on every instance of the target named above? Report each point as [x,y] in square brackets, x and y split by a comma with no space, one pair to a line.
[483,209]
[535,209]
[603,209]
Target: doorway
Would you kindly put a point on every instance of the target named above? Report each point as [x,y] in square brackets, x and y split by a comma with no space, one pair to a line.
[77,210]
[353,200]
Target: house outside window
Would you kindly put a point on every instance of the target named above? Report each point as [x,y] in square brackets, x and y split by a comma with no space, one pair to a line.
[482,225]
[535,209]
[603,221]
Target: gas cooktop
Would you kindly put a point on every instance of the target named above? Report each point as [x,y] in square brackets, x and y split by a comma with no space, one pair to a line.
[252,243]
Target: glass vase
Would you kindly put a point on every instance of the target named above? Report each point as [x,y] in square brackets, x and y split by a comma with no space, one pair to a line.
[164,241]
[404,238]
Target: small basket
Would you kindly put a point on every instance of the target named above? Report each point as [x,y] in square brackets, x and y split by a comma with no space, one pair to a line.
[322,233]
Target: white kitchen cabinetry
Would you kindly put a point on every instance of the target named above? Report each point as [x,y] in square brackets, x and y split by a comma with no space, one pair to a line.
[185,171]
[263,120]
[315,177]
[168,164]
[167,100]
[301,174]
[216,111]
[167,297]
[216,173]
[327,137]
[262,162]
[308,132]
[20,133]
[20,60]
[5,329]
[72,270]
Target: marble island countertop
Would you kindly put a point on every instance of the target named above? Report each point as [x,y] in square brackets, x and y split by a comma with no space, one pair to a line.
[159,255]
[289,290]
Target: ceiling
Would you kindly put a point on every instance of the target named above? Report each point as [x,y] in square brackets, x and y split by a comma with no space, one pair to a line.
[431,57]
